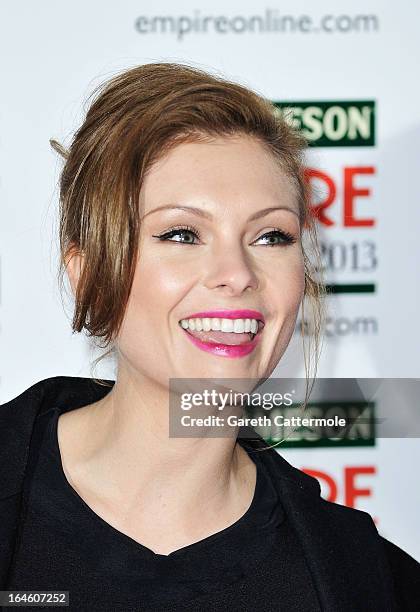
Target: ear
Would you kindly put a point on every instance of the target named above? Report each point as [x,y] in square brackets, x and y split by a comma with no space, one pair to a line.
[74,266]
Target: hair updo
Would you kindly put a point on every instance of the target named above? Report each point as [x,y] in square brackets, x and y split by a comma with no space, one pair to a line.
[133,120]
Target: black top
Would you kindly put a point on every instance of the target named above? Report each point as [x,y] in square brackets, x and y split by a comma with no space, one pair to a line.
[65,545]
[351,566]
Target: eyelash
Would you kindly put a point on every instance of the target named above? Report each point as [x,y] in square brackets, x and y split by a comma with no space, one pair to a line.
[287,238]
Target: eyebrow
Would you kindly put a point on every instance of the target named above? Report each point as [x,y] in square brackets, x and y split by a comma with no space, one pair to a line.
[206,215]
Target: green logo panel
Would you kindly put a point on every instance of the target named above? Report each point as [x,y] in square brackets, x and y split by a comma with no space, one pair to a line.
[332,124]
[359,428]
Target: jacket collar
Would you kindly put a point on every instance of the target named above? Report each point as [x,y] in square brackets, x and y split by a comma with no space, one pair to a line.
[341,545]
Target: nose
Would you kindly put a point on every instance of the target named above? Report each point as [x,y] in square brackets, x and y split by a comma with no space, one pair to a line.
[231,270]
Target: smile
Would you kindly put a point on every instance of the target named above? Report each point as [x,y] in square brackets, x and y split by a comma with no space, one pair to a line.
[227,333]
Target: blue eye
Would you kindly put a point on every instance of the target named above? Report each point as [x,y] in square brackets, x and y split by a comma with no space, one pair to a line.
[275,237]
[187,230]
[283,238]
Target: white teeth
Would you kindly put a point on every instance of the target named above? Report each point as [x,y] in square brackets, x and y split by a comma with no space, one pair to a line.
[227,325]
[206,324]
[238,326]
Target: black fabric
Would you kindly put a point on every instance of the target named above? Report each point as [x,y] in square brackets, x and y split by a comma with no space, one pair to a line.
[64,545]
[351,566]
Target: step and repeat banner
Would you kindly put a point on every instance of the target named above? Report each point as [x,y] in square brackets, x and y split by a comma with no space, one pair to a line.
[346,75]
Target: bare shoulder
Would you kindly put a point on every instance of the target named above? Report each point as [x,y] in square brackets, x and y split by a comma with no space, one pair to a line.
[76,433]
[72,423]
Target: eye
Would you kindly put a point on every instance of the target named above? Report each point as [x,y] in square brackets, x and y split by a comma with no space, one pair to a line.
[278,237]
[180,231]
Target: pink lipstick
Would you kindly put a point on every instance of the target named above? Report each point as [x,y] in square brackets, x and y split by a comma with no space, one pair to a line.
[219,348]
[228,314]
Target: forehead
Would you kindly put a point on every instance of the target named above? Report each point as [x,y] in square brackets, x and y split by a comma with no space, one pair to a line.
[233,173]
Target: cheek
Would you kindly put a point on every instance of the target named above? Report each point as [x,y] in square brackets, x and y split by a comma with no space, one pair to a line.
[158,285]
[288,285]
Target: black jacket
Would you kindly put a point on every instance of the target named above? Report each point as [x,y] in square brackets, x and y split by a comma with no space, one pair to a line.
[353,568]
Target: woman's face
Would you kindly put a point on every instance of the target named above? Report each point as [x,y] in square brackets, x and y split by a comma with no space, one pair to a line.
[219,232]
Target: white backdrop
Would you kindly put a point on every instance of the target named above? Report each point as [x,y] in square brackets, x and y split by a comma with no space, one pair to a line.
[54,53]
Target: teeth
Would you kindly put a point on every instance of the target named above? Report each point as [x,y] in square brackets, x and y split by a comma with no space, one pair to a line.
[238,326]
[206,324]
[227,325]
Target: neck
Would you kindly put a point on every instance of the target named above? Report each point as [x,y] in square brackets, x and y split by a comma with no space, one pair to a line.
[123,451]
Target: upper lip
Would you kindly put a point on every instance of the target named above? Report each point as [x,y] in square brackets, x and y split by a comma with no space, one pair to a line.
[228,314]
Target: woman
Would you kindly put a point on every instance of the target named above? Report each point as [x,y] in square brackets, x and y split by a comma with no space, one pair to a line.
[183,208]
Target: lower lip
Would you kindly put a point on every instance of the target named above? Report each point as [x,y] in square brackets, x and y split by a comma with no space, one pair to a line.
[232,351]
